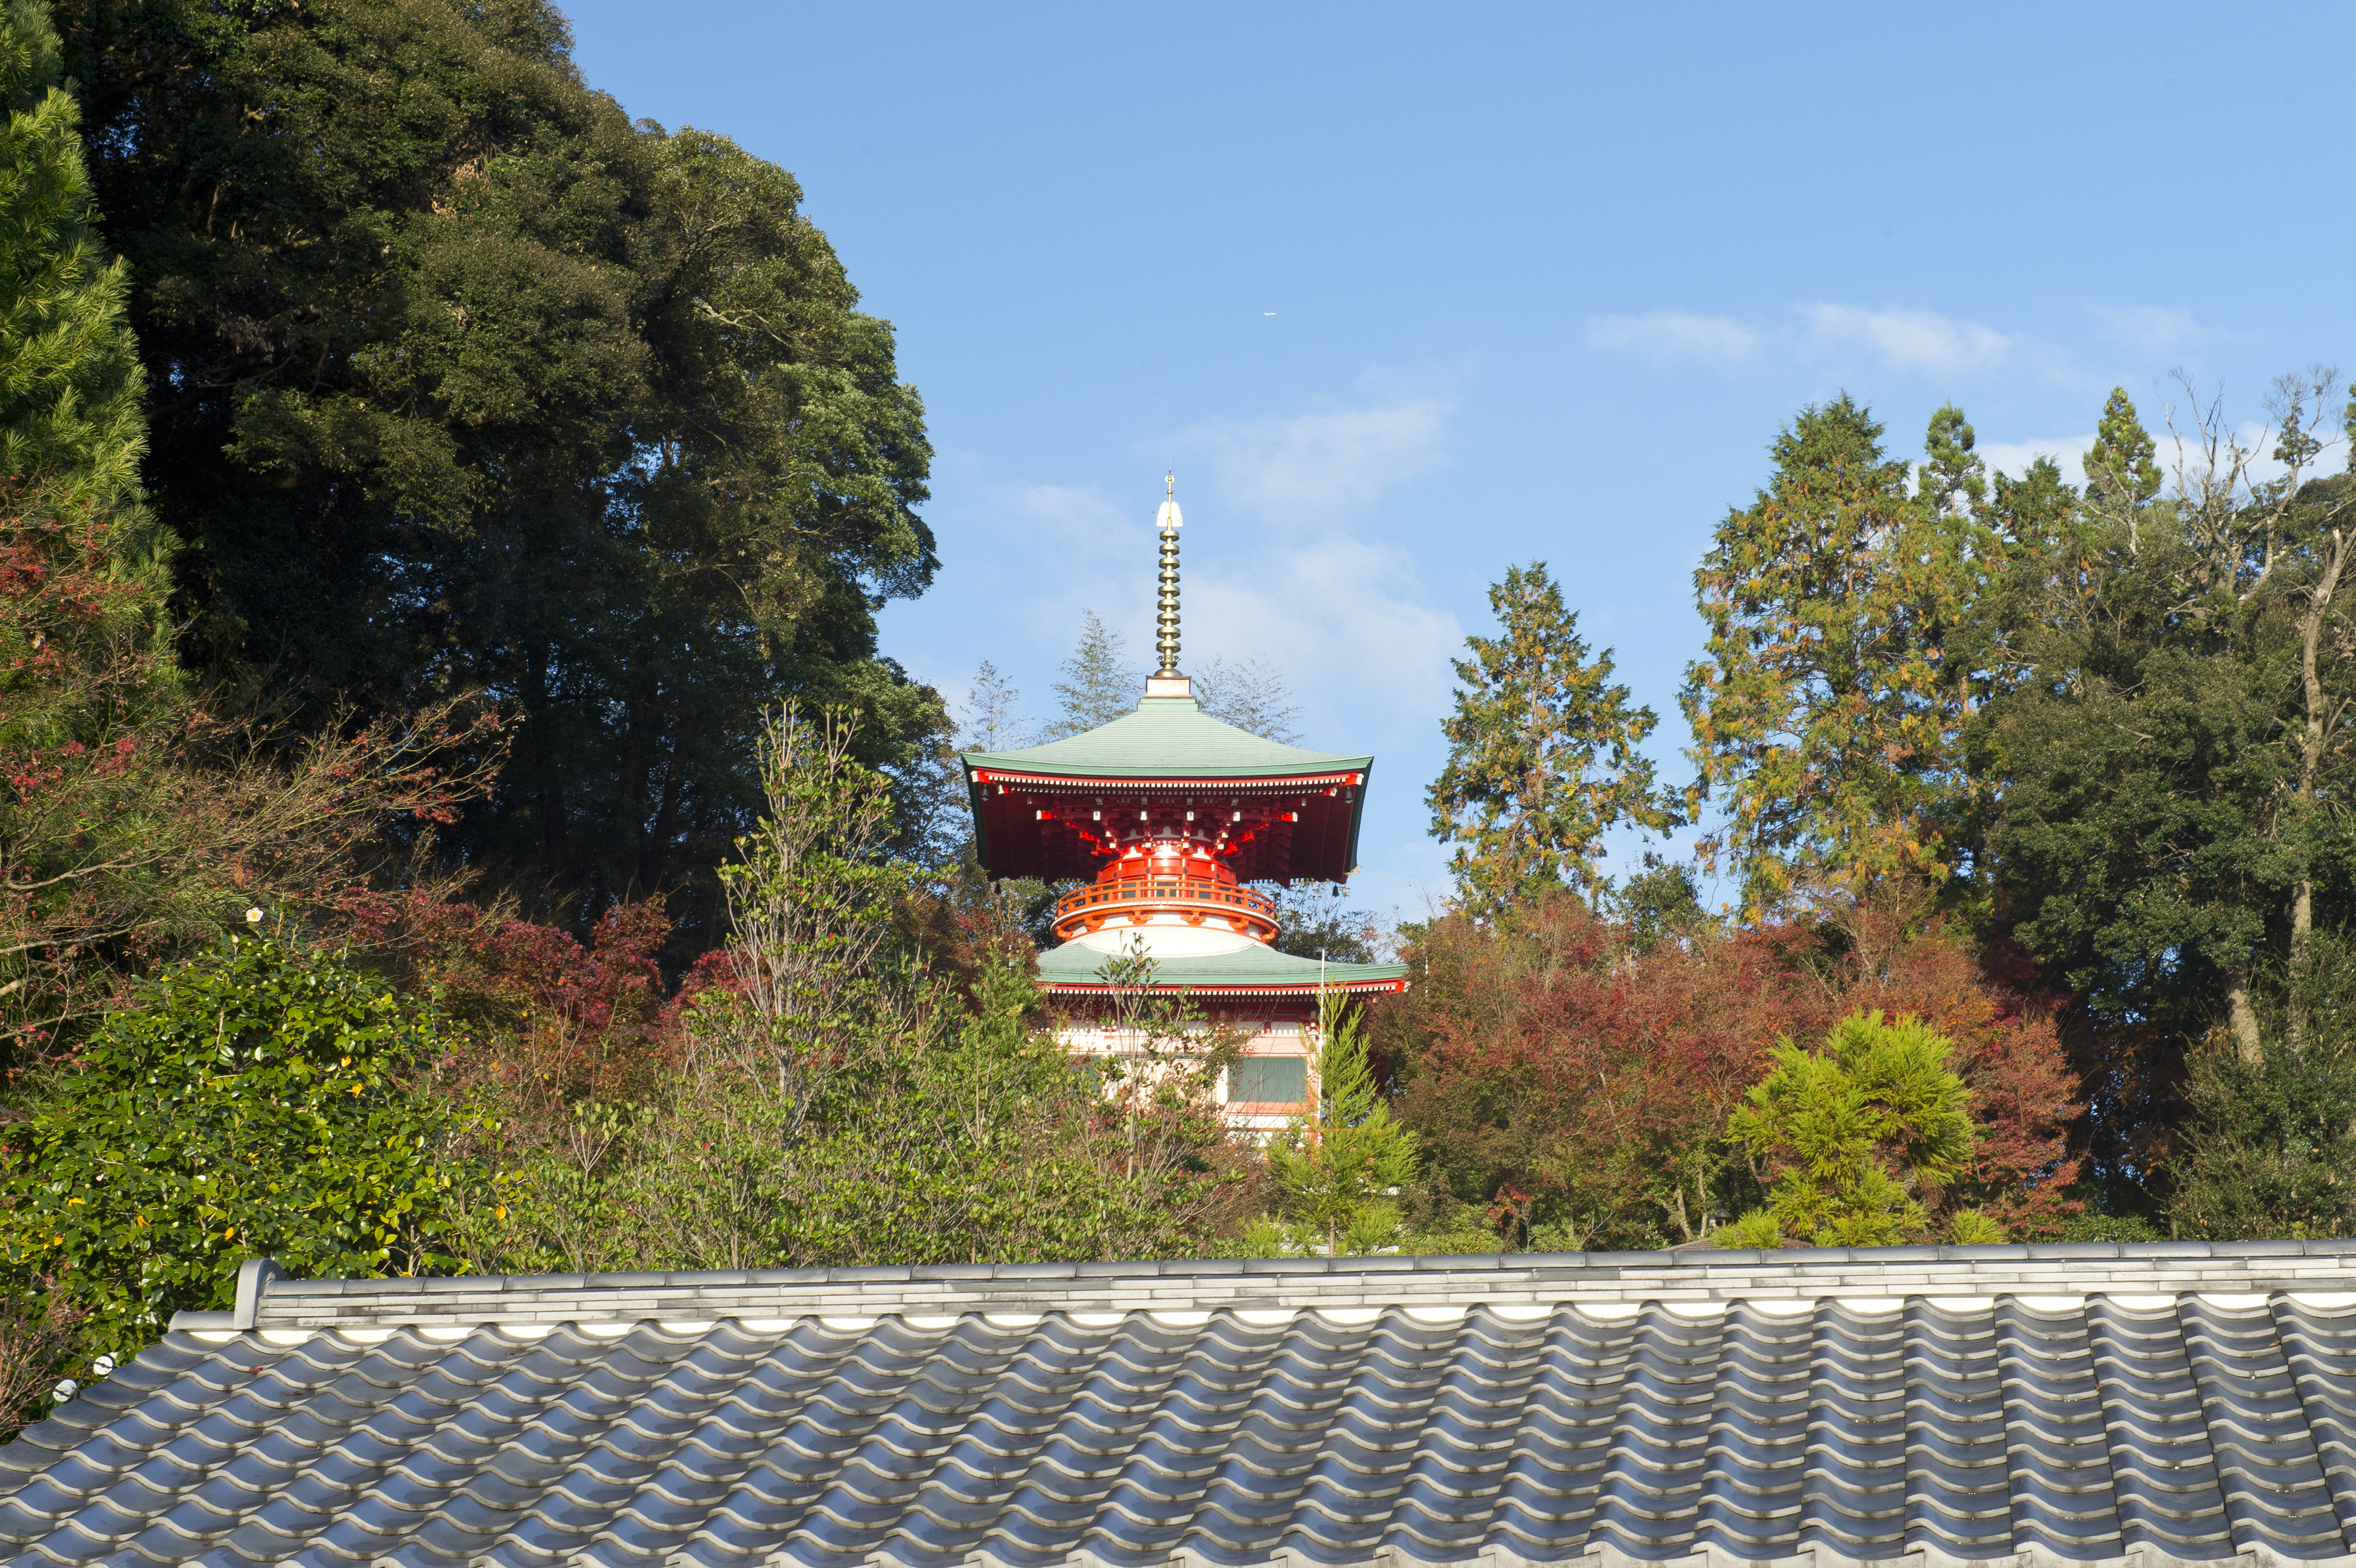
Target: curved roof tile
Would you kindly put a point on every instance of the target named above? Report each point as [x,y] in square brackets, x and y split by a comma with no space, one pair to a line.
[2178,1404]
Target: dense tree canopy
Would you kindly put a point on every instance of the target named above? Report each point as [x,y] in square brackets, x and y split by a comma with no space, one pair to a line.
[461,381]
[1842,660]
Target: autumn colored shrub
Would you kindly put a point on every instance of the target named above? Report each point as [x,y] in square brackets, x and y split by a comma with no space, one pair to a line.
[1574,1080]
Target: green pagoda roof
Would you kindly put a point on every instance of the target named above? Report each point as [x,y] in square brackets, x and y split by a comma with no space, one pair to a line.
[1168,772]
[1073,966]
[1168,737]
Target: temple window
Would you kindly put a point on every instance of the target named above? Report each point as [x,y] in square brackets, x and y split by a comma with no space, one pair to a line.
[1269,1080]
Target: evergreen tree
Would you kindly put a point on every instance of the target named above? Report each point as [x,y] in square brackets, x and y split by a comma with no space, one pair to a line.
[2269,1146]
[86,593]
[132,822]
[1335,1166]
[70,376]
[1542,754]
[2165,764]
[463,382]
[1099,684]
[1312,921]
[990,719]
[2122,470]
[1842,662]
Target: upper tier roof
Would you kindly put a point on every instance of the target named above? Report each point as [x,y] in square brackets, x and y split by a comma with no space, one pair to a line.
[1167,738]
[1168,771]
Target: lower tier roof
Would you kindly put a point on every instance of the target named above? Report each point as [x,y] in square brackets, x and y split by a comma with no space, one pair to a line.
[1255,970]
[1937,1406]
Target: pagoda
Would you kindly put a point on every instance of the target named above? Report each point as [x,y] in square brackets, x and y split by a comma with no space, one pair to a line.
[1169,816]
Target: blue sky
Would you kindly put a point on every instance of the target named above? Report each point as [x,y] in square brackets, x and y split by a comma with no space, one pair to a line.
[1408,294]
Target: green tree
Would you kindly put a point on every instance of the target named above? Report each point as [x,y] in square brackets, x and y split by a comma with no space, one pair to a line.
[70,377]
[2121,468]
[1335,1166]
[837,1100]
[1842,661]
[1100,683]
[2168,764]
[264,1101]
[463,382]
[133,822]
[1312,919]
[2267,1147]
[1854,1135]
[1542,754]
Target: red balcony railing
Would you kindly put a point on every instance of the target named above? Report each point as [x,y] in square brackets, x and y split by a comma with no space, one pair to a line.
[1198,900]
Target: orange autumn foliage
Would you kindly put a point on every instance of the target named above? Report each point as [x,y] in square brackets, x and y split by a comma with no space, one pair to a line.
[1579,1082]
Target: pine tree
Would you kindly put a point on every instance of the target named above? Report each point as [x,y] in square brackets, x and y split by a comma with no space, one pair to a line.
[1542,755]
[1099,684]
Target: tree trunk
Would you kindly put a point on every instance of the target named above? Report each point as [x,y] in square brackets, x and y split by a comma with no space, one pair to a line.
[2242,1017]
[2313,743]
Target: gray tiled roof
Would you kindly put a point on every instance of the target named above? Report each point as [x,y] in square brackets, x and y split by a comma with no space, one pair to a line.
[1964,1406]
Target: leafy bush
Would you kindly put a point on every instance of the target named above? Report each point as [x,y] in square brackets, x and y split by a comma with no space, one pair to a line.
[2270,1145]
[828,1100]
[2113,1228]
[261,1101]
[1855,1133]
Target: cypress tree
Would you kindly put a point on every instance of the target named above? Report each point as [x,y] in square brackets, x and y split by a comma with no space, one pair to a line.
[70,376]
[1542,754]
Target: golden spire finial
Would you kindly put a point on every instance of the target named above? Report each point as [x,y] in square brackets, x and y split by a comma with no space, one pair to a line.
[1168,520]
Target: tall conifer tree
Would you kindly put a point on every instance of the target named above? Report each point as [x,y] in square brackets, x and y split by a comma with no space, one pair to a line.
[1842,659]
[1542,754]
[1100,682]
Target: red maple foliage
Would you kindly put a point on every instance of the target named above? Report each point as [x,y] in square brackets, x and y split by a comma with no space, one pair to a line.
[135,821]
[1579,1081]
[551,1020]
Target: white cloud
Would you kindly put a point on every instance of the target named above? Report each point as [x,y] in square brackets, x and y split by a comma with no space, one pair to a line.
[1068,511]
[1315,466]
[1672,335]
[1342,617]
[2151,330]
[2013,457]
[1907,339]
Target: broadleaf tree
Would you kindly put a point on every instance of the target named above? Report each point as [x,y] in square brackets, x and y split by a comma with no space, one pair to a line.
[461,381]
